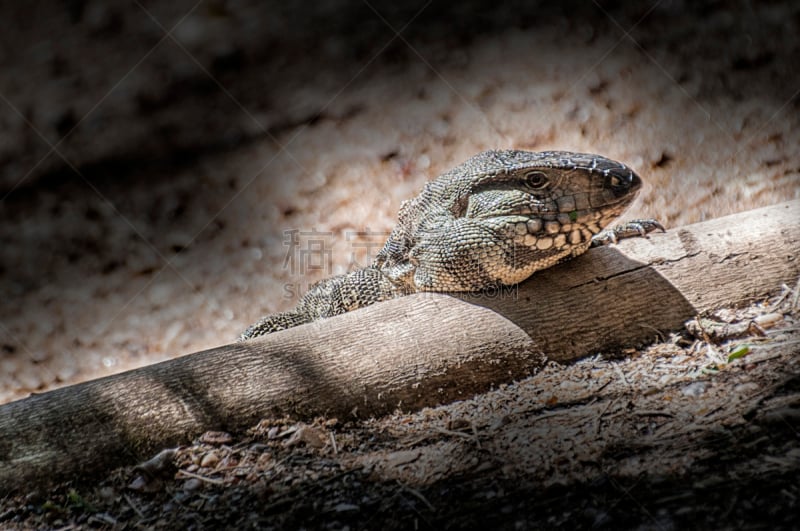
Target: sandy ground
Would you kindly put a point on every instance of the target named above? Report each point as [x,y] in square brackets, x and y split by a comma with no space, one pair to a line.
[141,253]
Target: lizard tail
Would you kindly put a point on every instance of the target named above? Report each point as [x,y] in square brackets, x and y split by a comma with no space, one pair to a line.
[273,323]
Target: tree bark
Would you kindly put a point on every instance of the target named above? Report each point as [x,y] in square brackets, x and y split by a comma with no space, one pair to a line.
[411,352]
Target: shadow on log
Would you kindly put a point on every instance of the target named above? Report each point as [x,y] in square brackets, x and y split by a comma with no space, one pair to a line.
[407,353]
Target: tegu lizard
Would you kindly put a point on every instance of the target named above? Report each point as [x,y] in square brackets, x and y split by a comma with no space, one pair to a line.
[493,220]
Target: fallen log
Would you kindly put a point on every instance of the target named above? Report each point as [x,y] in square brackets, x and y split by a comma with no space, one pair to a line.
[416,351]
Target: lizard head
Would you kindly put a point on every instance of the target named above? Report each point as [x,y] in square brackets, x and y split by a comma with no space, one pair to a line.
[547,193]
[502,215]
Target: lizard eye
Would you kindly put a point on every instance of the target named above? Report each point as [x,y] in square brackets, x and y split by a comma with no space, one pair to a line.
[535,180]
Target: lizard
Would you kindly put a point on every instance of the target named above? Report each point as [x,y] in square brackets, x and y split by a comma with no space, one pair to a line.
[493,220]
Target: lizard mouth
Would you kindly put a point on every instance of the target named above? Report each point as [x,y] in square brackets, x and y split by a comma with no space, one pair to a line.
[541,228]
[566,217]
[552,212]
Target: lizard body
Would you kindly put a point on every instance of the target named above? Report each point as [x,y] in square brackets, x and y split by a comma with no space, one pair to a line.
[493,220]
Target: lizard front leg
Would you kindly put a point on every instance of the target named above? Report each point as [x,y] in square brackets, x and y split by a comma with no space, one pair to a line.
[631,229]
[330,297]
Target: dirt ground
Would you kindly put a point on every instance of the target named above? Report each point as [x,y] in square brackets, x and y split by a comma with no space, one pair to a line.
[205,177]
[688,433]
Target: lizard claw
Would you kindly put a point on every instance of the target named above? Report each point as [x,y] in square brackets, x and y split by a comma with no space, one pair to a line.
[630,229]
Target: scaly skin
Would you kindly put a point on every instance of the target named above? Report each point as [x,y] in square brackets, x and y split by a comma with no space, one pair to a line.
[493,220]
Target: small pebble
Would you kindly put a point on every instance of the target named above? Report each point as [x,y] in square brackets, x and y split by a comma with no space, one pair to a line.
[209,460]
[216,437]
[192,484]
[768,320]
[745,388]
[694,389]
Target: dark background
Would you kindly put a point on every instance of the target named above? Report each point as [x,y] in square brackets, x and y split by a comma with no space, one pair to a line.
[130,210]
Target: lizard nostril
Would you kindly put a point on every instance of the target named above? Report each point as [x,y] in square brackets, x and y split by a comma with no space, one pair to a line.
[622,184]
